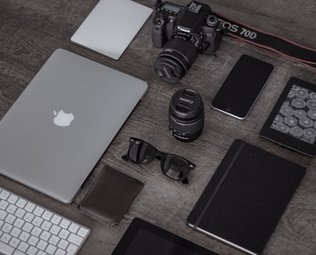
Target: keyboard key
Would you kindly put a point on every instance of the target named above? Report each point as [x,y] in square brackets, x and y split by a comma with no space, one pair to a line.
[12,199]
[54,240]
[33,240]
[28,217]
[60,252]
[14,242]
[23,246]
[73,228]
[71,249]
[19,223]
[47,215]
[3,204]
[42,245]
[37,221]
[32,251]
[11,209]
[63,244]
[54,230]
[4,194]
[50,249]
[3,214]
[10,219]
[29,207]
[38,211]
[15,232]
[6,228]
[45,235]
[83,232]
[56,219]
[65,223]
[21,202]
[46,225]
[5,238]
[24,236]
[75,239]
[20,213]
[64,233]
[36,231]
[27,227]
[17,252]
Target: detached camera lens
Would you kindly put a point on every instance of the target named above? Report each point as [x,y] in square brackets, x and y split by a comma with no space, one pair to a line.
[186,115]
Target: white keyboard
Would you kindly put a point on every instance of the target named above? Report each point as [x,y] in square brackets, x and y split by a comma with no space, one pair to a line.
[27,228]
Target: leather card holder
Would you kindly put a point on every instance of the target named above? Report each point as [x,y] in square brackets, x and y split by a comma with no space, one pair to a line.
[111,196]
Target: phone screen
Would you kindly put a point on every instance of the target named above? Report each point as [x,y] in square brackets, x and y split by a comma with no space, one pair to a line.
[242,87]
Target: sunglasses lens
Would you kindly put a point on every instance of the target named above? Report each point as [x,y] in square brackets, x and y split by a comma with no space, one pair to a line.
[141,152]
[175,167]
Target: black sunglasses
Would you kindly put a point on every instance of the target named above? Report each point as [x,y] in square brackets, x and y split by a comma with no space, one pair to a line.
[173,166]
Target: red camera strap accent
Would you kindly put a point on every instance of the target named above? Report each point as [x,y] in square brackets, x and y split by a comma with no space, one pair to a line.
[275,43]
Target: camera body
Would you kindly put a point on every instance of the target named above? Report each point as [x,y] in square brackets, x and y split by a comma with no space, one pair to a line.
[184,32]
[186,115]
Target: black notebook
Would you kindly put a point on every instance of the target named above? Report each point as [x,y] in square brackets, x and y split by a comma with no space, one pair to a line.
[246,197]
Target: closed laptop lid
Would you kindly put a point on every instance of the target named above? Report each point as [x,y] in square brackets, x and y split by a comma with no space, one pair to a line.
[62,123]
[111,26]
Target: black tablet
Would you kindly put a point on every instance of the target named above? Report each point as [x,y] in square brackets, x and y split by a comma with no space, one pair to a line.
[292,122]
[143,238]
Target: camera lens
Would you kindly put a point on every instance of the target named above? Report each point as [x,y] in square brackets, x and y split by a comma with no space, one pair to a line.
[186,115]
[175,59]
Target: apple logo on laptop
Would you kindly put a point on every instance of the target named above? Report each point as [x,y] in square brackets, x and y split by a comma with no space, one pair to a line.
[63,119]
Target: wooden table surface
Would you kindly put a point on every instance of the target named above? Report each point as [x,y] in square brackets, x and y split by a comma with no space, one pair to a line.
[31,30]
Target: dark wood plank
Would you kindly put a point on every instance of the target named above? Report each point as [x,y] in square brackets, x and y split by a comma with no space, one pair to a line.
[31,30]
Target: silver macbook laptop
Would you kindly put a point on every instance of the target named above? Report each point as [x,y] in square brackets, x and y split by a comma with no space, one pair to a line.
[111,26]
[57,130]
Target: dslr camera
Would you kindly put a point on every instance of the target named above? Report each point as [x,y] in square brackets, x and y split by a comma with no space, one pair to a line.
[183,32]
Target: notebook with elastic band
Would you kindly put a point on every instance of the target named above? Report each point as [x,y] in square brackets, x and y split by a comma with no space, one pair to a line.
[246,197]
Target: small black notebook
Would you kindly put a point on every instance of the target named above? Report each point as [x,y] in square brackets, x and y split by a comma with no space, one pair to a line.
[246,197]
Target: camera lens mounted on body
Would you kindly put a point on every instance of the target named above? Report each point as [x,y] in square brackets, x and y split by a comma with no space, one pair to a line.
[174,61]
[186,115]
[183,32]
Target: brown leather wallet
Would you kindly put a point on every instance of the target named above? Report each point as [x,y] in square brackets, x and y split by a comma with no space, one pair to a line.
[111,196]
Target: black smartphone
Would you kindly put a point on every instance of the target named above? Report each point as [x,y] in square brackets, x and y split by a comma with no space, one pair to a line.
[242,87]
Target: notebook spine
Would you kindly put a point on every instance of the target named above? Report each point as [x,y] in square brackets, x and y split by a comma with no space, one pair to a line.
[214,184]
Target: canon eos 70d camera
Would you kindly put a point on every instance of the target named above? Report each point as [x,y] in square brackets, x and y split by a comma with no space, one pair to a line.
[183,31]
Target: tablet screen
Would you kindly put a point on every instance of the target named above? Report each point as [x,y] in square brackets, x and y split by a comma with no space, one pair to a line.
[144,238]
[146,243]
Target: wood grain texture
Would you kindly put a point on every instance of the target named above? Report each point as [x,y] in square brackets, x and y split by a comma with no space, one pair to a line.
[31,30]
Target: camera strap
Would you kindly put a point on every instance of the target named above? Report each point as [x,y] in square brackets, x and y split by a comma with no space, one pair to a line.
[269,41]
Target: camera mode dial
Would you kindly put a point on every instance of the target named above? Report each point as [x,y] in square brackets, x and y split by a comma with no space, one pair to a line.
[211,20]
